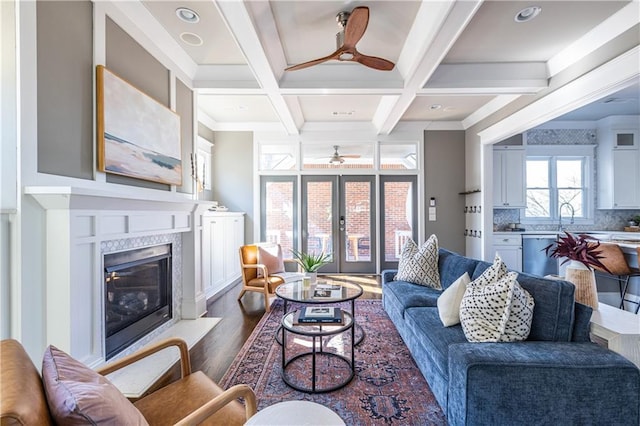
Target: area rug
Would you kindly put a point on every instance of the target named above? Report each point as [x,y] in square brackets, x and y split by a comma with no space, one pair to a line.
[388,387]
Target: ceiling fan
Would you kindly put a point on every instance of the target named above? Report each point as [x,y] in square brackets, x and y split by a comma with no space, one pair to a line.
[353,26]
[336,158]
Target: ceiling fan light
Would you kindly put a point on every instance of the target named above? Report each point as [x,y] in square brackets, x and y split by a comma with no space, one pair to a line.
[346,56]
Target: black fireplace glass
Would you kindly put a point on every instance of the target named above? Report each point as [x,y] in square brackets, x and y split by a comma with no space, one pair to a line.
[137,295]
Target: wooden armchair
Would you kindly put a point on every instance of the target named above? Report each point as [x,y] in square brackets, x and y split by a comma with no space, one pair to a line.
[265,281]
[192,399]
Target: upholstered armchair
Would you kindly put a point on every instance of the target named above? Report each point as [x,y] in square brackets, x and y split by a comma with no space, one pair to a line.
[263,269]
[71,393]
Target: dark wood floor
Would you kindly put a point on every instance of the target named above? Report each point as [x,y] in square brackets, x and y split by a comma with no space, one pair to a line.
[215,352]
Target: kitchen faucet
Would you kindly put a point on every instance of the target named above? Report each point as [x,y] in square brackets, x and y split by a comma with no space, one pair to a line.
[571,209]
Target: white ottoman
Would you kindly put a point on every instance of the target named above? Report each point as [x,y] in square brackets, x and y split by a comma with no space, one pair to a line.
[298,413]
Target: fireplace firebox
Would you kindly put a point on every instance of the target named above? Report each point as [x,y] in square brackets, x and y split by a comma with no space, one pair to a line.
[137,294]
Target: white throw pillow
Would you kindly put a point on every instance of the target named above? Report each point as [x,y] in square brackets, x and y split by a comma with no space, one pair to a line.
[518,325]
[420,265]
[497,312]
[450,299]
[484,310]
[492,274]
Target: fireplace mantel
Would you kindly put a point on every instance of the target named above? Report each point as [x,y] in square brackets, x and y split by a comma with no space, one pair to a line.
[71,198]
[77,222]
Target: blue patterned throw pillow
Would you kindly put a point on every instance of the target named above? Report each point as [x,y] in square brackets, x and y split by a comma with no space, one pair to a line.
[419,265]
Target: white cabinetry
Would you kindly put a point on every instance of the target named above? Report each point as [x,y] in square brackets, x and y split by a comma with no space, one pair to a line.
[508,177]
[510,249]
[222,236]
[618,163]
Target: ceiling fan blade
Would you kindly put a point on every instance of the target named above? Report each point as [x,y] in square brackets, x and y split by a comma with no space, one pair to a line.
[356,26]
[307,64]
[373,62]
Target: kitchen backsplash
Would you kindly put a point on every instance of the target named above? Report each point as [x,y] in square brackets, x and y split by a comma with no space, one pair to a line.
[605,220]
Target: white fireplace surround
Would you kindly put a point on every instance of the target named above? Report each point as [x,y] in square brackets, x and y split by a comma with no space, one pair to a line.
[80,226]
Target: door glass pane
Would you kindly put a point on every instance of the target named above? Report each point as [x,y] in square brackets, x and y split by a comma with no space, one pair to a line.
[358,221]
[398,218]
[279,215]
[319,217]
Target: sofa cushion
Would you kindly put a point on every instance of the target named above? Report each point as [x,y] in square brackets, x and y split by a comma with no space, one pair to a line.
[435,338]
[410,295]
[77,395]
[452,265]
[450,299]
[419,265]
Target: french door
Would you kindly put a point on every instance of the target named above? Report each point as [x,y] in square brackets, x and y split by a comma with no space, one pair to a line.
[338,218]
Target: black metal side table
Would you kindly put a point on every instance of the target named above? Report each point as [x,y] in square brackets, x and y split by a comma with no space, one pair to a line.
[318,336]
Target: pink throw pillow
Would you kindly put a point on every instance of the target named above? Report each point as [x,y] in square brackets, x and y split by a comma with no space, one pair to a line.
[271,257]
[77,395]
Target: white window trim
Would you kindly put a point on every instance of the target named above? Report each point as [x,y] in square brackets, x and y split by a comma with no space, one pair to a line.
[548,151]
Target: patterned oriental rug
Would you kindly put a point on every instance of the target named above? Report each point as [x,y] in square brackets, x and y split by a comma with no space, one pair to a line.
[388,387]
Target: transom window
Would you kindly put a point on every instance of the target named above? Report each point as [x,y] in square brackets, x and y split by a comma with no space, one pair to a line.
[558,185]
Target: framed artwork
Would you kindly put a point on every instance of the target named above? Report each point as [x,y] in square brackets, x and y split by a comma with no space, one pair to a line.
[137,136]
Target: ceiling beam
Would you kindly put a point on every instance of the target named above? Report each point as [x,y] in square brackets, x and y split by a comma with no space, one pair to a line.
[485,78]
[243,30]
[436,28]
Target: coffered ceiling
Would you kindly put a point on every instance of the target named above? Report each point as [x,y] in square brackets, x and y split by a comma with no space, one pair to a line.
[456,61]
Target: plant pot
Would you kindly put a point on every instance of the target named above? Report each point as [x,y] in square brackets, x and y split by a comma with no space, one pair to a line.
[313,276]
[584,279]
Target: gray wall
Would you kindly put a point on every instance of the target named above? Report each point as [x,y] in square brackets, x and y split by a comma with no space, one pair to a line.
[66,141]
[444,157]
[232,175]
[65,88]
[184,108]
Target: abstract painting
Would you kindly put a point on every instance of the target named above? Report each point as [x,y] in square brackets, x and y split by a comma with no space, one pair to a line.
[137,136]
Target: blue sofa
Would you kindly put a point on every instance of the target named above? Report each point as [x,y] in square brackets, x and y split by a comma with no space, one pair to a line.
[557,376]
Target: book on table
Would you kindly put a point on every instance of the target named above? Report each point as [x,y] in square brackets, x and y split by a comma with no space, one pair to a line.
[320,314]
[327,291]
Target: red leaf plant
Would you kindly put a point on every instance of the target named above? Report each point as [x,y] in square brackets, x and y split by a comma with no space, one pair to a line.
[583,248]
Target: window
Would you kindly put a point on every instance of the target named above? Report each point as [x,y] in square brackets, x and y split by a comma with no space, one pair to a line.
[558,185]
[202,166]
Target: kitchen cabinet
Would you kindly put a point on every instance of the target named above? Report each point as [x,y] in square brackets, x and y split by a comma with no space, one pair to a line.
[510,249]
[509,177]
[222,236]
[618,164]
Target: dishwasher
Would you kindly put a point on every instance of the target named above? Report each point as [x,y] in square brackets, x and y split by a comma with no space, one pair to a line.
[534,258]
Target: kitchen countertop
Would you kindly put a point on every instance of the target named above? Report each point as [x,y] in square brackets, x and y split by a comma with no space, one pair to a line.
[627,240]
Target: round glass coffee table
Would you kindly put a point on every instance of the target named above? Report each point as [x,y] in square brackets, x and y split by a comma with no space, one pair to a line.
[321,293]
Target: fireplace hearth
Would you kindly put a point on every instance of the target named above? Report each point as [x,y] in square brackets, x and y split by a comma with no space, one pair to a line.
[137,294]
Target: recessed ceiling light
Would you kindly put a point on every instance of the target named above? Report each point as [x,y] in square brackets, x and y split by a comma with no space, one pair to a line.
[191,39]
[527,14]
[187,15]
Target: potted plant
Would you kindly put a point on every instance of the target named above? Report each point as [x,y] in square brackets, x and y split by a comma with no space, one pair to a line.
[311,263]
[583,255]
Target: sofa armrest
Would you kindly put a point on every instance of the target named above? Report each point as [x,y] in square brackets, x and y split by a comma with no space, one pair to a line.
[185,360]
[541,383]
[388,275]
